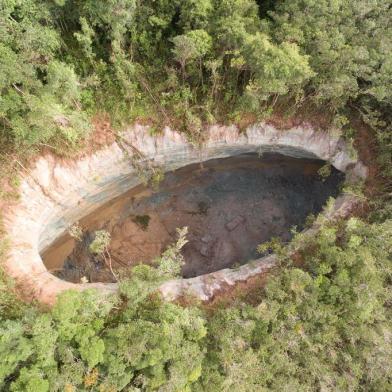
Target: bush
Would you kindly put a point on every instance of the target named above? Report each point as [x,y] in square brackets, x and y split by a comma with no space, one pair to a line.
[326,327]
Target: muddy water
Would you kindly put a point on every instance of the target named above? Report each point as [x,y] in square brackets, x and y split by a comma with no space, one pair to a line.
[229,205]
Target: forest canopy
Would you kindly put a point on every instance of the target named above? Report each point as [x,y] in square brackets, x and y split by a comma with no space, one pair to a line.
[192,62]
[326,326]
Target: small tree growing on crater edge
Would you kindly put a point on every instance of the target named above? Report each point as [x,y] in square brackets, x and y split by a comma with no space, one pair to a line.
[100,247]
[172,260]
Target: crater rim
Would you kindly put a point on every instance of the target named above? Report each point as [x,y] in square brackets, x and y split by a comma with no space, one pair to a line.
[57,192]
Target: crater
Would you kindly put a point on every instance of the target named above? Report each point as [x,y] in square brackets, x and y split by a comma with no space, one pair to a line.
[230,206]
[233,192]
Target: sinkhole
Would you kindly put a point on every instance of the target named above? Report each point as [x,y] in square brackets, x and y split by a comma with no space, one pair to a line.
[230,206]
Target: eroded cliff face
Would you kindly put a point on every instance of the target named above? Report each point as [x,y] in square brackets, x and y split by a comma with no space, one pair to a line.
[58,193]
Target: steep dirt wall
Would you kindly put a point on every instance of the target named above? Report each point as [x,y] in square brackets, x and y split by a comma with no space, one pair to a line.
[56,193]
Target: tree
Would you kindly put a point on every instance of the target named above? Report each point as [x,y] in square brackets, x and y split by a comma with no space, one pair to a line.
[191,46]
[275,70]
[346,42]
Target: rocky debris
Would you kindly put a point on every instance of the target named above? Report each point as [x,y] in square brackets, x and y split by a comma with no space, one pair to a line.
[235,222]
[206,238]
[224,249]
[81,263]
[204,250]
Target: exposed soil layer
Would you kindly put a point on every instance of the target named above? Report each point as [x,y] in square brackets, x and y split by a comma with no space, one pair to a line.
[229,205]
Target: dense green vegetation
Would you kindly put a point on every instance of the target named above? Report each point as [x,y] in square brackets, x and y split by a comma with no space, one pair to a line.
[324,327]
[187,62]
[327,327]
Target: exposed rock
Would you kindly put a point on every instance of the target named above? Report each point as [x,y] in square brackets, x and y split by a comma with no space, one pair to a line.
[206,238]
[234,223]
[204,250]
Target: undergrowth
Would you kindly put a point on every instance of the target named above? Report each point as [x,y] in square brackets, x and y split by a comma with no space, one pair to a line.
[326,326]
